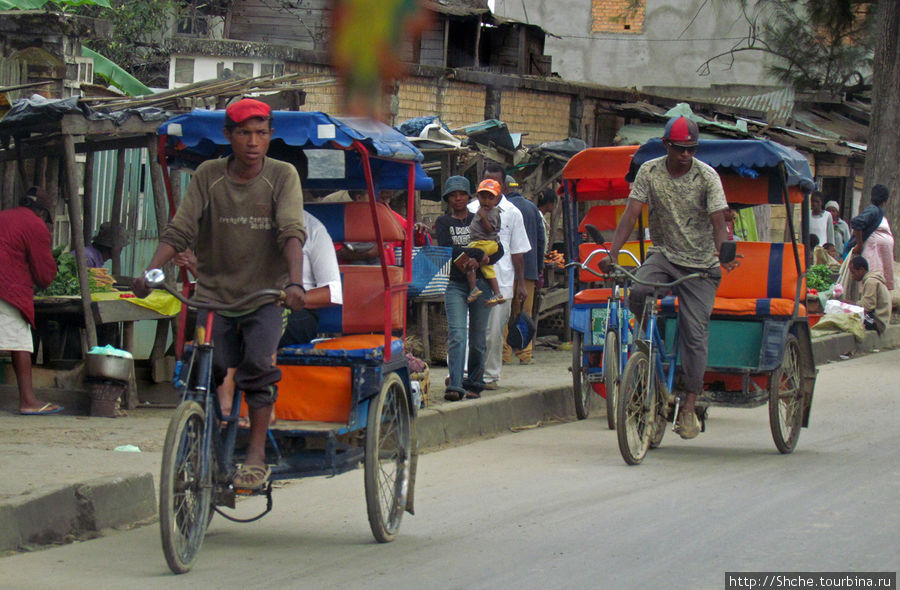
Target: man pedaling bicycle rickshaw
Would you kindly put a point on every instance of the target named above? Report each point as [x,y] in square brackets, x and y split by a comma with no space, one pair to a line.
[244,217]
[687,225]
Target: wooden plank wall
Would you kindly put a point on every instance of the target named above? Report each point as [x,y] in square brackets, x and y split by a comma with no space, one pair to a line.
[267,21]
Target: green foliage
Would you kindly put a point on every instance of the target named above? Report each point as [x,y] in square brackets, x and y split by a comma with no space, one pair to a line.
[820,45]
[140,28]
[66,280]
[56,4]
[819,277]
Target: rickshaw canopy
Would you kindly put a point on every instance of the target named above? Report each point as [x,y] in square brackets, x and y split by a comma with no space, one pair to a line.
[198,136]
[598,174]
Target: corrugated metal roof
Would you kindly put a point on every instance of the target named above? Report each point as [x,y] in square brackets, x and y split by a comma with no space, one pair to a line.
[776,105]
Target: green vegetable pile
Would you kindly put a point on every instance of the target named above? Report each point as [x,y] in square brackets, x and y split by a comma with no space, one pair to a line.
[66,280]
[818,277]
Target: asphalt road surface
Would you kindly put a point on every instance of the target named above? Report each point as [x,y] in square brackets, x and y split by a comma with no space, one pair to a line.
[556,507]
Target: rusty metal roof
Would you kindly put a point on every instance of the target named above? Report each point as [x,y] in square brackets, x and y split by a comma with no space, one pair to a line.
[457,7]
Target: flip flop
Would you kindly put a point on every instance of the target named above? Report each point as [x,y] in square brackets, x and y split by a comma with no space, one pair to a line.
[45,410]
[251,477]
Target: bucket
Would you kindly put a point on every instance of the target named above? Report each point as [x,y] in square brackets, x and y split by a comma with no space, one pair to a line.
[105,396]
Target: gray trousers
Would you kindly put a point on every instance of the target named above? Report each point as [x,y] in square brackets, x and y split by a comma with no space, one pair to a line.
[695,303]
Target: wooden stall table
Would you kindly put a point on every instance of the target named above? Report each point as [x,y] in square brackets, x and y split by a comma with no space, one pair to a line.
[108,309]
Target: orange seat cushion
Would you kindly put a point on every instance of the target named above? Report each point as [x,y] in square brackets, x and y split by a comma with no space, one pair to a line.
[743,306]
[593,295]
[320,393]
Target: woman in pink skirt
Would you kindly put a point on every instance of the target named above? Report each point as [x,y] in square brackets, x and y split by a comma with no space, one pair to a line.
[873,236]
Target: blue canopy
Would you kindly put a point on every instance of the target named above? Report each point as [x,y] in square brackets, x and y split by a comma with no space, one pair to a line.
[744,156]
[199,136]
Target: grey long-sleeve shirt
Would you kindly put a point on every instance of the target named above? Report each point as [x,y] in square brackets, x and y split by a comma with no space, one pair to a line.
[238,229]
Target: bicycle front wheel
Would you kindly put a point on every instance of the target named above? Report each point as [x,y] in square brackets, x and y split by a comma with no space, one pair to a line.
[611,376]
[184,489]
[388,454]
[634,421]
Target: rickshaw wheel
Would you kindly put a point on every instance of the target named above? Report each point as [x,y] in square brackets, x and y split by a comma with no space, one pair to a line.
[611,376]
[184,498]
[660,416]
[786,398]
[388,454]
[581,389]
[634,422]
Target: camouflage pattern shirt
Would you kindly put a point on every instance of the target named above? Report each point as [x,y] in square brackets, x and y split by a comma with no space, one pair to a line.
[679,210]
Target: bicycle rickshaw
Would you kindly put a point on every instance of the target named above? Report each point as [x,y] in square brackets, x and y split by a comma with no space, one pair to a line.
[344,400]
[760,350]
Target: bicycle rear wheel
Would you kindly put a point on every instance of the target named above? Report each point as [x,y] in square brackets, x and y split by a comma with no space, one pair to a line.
[581,388]
[634,422]
[388,454]
[184,490]
[786,399]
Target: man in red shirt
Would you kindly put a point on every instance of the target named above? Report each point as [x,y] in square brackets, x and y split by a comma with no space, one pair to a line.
[25,260]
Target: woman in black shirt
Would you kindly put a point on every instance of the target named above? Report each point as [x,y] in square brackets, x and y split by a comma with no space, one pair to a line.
[466,321]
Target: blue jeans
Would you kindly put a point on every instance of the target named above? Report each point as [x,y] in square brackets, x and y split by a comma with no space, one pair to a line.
[458,311]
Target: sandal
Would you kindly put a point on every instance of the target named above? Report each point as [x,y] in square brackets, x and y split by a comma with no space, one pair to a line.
[473,395]
[251,477]
[688,425]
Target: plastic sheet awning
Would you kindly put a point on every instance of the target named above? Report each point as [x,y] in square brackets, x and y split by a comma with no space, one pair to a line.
[199,136]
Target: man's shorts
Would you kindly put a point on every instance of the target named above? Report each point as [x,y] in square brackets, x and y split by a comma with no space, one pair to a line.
[15,333]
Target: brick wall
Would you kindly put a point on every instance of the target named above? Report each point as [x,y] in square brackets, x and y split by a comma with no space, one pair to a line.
[324,98]
[614,16]
[456,103]
[545,117]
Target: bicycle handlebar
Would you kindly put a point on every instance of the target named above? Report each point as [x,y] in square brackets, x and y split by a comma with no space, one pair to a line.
[586,264]
[675,283]
[155,277]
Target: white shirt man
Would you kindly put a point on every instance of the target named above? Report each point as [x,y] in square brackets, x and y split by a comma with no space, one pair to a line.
[514,240]
[321,279]
[320,265]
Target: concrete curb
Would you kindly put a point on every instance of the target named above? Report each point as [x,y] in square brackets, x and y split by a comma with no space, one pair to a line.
[832,347]
[460,422]
[74,510]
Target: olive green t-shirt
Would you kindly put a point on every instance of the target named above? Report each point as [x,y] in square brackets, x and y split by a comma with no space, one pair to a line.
[238,229]
[679,210]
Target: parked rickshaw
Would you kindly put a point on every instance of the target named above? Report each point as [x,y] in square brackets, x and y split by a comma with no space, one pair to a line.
[344,400]
[594,179]
[760,348]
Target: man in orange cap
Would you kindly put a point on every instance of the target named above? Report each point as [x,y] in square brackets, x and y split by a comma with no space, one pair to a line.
[687,207]
[243,215]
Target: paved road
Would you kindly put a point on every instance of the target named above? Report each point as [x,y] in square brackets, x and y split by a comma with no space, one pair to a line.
[557,508]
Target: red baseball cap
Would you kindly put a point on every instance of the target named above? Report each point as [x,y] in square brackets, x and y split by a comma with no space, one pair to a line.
[248,108]
[681,131]
[490,185]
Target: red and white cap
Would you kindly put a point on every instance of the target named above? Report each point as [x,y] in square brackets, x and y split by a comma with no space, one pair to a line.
[681,131]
